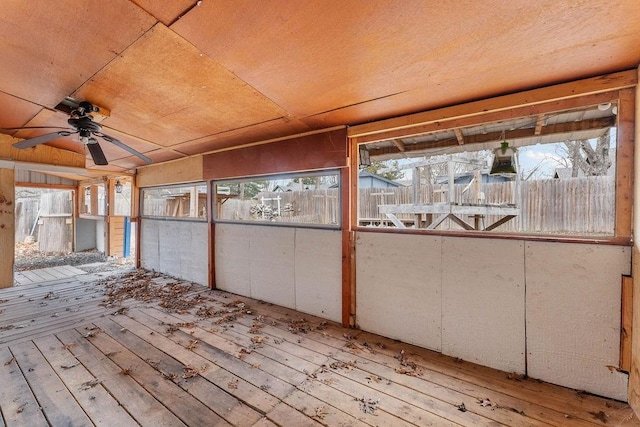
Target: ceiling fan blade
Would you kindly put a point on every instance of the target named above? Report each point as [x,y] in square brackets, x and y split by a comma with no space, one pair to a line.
[97,154]
[123,146]
[32,142]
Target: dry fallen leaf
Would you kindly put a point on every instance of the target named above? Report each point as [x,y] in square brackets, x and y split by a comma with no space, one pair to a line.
[368,406]
[73,365]
[90,384]
[320,412]
[190,372]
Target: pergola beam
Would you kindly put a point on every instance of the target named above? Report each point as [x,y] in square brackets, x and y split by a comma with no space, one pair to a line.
[554,129]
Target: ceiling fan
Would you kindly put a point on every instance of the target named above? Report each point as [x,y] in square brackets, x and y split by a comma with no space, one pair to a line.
[83,124]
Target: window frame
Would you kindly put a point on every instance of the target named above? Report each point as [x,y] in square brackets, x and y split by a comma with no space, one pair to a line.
[280,176]
[170,186]
[623,160]
[82,198]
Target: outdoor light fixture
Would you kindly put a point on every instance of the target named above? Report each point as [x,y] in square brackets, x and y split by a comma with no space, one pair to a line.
[503,161]
[365,159]
[87,191]
[118,186]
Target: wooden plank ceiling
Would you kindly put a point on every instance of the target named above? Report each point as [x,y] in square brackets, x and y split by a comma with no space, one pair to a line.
[195,76]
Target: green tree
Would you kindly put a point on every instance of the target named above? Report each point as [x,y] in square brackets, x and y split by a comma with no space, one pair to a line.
[388,169]
[247,190]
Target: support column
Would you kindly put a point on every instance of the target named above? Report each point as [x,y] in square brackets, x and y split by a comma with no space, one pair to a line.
[7,226]
[634,374]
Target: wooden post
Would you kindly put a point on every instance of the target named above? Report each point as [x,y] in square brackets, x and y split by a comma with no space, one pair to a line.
[634,374]
[7,226]
[451,170]
[624,162]
[193,202]
[349,198]
[627,323]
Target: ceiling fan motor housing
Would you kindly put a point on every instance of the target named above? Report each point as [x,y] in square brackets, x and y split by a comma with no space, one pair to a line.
[85,123]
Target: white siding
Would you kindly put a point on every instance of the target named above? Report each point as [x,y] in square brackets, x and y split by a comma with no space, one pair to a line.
[294,267]
[487,300]
[177,248]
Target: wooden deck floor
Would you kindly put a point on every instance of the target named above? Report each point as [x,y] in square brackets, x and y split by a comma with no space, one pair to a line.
[210,358]
[28,277]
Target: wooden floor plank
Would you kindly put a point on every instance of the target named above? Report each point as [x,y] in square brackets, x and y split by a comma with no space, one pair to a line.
[531,392]
[298,401]
[265,422]
[285,415]
[53,396]
[55,272]
[209,348]
[280,365]
[262,365]
[186,407]
[413,389]
[250,394]
[86,388]
[143,407]
[43,275]
[318,410]
[18,404]
[20,279]
[202,385]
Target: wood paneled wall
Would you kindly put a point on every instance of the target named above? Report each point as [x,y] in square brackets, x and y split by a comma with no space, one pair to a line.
[324,150]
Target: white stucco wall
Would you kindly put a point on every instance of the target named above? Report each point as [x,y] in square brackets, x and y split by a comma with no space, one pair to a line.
[573,315]
[299,268]
[551,310]
[177,248]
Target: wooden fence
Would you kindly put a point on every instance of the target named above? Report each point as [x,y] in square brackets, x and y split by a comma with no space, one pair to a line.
[308,207]
[26,214]
[584,205]
[55,226]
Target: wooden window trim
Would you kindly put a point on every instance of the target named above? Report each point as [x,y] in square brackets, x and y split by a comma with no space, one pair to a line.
[619,87]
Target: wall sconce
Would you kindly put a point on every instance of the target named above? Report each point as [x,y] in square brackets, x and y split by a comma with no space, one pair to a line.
[87,191]
[118,187]
[503,161]
[365,159]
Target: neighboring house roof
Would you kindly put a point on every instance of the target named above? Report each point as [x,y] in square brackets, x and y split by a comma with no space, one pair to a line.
[563,173]
[365,174]
[466,177]
[375,179]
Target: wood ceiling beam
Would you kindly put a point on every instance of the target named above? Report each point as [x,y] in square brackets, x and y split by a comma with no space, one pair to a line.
[459,136]
[516,113]
[399,144]
[555,129]
[576,89]
[539,124]
[39,154]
